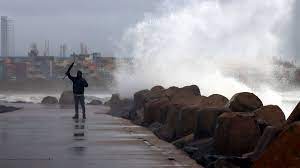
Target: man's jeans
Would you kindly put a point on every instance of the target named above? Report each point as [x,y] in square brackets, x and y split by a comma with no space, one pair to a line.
[79,99]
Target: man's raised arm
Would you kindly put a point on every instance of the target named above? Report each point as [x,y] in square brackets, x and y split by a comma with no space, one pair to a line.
[68,72]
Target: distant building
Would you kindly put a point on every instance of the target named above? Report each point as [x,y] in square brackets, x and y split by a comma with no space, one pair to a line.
[2,70]
[33,51]
[21,71]
[63,50]
[7,37]
[42,67]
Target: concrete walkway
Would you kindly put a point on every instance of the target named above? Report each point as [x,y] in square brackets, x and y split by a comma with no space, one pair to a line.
[43,136]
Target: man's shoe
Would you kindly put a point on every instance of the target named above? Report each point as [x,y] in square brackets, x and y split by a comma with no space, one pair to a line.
[75,117]
[84,117]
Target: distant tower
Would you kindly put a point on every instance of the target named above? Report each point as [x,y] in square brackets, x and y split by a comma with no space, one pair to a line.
[7,37]
[47,50]
[33,51]
[63,50]
[83,49]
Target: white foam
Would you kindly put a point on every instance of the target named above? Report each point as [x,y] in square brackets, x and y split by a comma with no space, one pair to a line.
[196,41]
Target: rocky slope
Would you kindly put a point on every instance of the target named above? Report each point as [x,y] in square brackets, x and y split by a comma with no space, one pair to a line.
[215,131]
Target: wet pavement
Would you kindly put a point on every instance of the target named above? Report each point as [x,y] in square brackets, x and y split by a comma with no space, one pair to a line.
[46,137]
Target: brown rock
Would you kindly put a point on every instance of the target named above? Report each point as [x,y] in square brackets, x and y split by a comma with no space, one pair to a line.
[137,114]
[170,92]
[193,89]
[283,151]
[156,111]
[244,102]
[295,115]
[139,98]
[207,121]
[157,88]
[190,107]
[186,119]
[268,135]
[66,98]
[121,107]
[142,100]
[180,143]
[216,100]
[236,133]
[181,116]
[184,92]
[271,115]
[168,131]
[49,100]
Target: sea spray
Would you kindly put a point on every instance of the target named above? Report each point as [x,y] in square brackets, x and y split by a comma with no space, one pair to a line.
[206,42]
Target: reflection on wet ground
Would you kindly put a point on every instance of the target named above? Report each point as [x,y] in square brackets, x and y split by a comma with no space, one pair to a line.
[41,136]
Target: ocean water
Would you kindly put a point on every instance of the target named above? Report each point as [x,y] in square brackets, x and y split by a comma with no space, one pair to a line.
[287,100]
[37,98]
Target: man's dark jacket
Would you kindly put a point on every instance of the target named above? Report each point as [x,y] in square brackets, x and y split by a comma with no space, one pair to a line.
[78,84]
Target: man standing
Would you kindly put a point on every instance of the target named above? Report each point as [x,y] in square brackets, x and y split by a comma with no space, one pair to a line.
[79,83]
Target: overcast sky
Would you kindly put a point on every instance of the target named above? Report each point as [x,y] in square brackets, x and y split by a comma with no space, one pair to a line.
[98,23]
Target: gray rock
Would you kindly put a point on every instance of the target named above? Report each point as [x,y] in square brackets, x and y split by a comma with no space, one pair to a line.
[66,98]
[49,100]
[95,102]
[5,109]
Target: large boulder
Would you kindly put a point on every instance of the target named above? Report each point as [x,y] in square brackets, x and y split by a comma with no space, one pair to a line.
[115,99]
[295,115]
[95,102]
[140,97]
[244,102]
[236,133]
[171,91]
[66,98]
[5,109]
[49,100]
[201,150]
[271,115]
[181,118]
[141,100]
[190,107]
[180,143]
[180,93]
[120,107]
[182,114]
[216,100]
[185,121]
[157,88]
[137,113]
[268,135]
[283,151]
[156,111]
[206,122]
[193,89]
[168,131]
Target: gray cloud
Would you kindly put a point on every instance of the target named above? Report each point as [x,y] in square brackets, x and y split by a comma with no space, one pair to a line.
[98,23]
